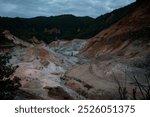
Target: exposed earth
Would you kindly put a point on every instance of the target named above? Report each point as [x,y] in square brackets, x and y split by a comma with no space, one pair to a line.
[114,64]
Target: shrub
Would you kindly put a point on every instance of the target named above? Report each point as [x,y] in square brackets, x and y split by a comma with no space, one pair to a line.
[7,86]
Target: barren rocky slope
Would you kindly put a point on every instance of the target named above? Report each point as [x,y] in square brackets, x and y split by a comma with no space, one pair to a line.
[111,65]
[120,57]
[41,67]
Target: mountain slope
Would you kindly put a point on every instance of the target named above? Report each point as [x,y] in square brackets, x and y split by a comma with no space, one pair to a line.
[104,21]
[120,57]
[132,28]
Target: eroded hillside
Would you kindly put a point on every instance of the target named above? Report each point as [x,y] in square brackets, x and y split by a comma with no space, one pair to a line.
[114,64]
[120,56]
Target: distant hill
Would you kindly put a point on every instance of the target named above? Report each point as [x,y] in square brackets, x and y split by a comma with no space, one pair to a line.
[45,28]
[61,27]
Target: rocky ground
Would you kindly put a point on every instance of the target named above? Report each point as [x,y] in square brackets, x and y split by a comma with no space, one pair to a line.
[41,68]
[112,65]
[58,71]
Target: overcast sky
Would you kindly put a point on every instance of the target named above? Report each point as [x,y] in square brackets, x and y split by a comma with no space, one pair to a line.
[32,8]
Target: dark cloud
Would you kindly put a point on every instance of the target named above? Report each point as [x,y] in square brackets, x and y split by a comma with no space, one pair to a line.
[32,8]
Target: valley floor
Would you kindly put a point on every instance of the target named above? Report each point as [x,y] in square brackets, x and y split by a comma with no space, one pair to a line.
[58,71]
